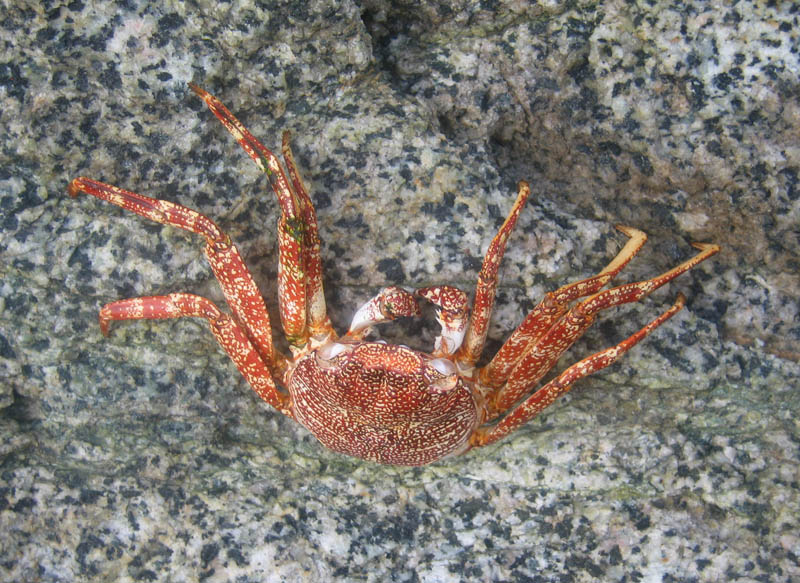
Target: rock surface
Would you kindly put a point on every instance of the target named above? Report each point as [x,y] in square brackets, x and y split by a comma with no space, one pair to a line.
[144,456]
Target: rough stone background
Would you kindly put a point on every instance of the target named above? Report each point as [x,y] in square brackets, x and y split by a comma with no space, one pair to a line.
[144,456]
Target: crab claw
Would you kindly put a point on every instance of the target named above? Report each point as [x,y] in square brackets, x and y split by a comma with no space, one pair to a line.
[451,313]
[391,303]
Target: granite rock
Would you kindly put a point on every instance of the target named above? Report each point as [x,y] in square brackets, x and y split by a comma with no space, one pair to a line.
[144,456]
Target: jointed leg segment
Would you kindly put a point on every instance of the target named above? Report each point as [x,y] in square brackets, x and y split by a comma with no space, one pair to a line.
[234,278]
[225,329]
[319,323]
[566,330]
[483,302]
[545,396]
[551,308]
[303,311]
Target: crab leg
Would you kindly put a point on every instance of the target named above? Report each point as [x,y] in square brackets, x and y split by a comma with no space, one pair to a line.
[234,278]
[551,308]
[291,227]
[565,331]
[227,332]
[546,395]
[318,321]
[485,290]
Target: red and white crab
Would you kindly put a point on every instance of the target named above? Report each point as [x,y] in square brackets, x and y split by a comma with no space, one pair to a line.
[373,400]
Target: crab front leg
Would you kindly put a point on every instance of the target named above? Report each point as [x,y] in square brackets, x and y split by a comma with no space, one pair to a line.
[452,308]
[546,395]
[485,290]
[301,296]
[394,302]
[389,304]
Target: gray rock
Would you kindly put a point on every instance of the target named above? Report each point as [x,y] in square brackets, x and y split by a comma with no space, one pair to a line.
[144,456]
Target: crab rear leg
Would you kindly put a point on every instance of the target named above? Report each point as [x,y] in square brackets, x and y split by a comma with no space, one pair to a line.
[551,308]
[546,395]
[234,278]
[571,326]
[225,329]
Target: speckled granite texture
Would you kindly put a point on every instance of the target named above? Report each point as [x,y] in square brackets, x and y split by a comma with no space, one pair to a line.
[144,456]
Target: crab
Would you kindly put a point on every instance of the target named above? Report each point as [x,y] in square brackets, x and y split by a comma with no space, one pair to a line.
[367,398]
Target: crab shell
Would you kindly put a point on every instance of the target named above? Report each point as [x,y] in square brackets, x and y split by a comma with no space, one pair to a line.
[383,402]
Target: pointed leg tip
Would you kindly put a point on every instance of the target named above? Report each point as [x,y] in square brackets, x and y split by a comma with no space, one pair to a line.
[74,188]
[204,95]
[523,192]
[710,248]
[197,89]
[104,318]
[680,301]
[631,232]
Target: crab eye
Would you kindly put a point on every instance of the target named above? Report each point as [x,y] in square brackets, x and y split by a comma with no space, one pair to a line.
[444,366]
[445,378]
[332,350]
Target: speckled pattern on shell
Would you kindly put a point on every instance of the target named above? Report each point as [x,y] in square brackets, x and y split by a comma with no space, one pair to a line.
[384,403]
